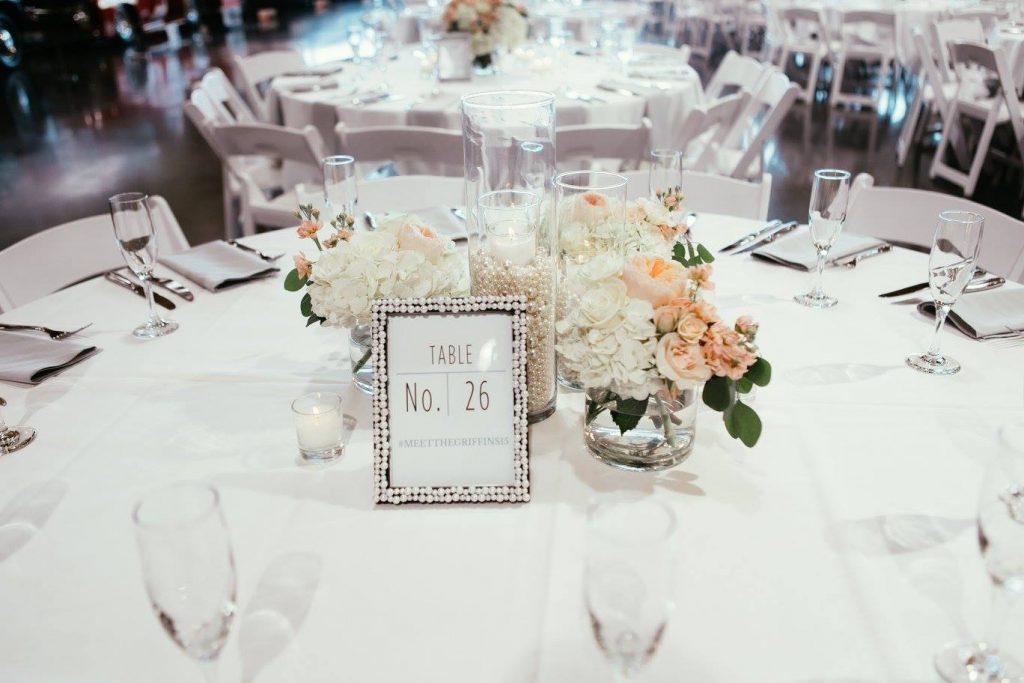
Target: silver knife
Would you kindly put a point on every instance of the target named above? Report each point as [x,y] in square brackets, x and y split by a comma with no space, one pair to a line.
[783,229]
[854,259]
[173,286]
[122,281]
[620,91]
[752,237]
[253,250]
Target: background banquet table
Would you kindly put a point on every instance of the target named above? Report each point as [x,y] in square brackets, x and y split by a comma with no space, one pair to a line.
[841,548]
[413,103]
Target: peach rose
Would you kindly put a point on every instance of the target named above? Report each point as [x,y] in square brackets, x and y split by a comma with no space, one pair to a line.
[308,228]
[691,328]
[667,317]
[654,279]
[680,362]
[591,208]
[420,238]
[303,266]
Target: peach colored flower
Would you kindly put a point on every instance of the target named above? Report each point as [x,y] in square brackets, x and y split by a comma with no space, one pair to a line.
[671,201]
[679,362]
[746,326]
[303,266]
[701,276]
[420,238]
[691,328]
[727,360]
[654,279]
[706,311]
[721,334]
[308,228]
[667,317]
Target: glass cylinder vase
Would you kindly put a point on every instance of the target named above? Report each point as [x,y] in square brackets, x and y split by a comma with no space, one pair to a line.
[641,435]
[509,146]
[359,351]
[590,217]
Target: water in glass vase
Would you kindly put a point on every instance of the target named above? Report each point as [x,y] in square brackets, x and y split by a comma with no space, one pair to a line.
[654,434]
[359,355]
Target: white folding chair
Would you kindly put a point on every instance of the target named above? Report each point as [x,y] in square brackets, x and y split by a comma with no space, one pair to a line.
[931,98]
[752,22]
[804,33]
[736,72]
[709,193]
[758,122]
[867,36]
[413,149]
[706,127]
[229,102]
[302,148]
[909,215]
[581,146]
[971,61]
[948,31]
[256,71]
[988,18]
[410,192]
[71,252]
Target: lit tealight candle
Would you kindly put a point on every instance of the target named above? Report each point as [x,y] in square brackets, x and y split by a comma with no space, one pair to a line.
[319,425]
[512,241]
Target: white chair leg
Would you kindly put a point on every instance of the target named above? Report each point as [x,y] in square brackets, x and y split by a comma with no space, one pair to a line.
[982,152]
[837,78]
[812,78]
[910,124]
[230,219]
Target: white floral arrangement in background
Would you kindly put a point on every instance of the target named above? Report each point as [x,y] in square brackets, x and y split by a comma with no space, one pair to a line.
[491,24]
[403,258]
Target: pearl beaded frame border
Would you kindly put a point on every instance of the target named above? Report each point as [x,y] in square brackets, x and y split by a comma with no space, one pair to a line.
[384,492]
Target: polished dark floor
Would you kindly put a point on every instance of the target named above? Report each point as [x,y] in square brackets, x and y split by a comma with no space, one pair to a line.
[78,124]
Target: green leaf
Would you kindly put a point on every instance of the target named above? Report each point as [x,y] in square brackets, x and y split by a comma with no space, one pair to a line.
[704,254]
[628,412]
[743,423]
[292,281]
[306,305]
[314,319]
[744,385]
[716,393]
[680,254]
[596,407]
[760,373]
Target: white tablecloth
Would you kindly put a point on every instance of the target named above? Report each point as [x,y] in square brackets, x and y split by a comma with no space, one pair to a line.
[414,105]
[841,548]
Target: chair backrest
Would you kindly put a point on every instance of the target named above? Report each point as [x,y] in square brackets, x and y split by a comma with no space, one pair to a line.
[910,215]
[588,142]
[933,70]
[715,122]
[968,55]
[986,17]
[65,254]
[410,192]
[710,193]
[303,146]
[220,90]
[873,29]
[413,149]
[946,31]
[200,118]
[256,70]
[763,116]
[803,27]
[736,72]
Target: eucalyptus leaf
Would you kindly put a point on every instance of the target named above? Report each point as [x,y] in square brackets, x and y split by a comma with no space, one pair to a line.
[680,254]
[744,385]
[314,319]
[627,413]
[292,281]
[716,393]
[760,373]
[704,254]
[743,423]
[306,305]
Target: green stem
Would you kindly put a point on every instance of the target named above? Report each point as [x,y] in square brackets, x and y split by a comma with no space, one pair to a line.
[362,361]
[316,241]
[666,421]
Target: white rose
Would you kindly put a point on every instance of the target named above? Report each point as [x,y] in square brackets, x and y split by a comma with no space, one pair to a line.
[416,236]
[600,305]
[601,267]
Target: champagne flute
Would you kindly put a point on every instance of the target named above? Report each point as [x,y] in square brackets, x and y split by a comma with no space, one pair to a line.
[188,568]
[666,172]
[133,228]
[13,438]
[1001,540]
[830,195]
[950,268]
[341,193]
[628,582]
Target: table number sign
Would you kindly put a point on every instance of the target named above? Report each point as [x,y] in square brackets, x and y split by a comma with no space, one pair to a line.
[449,401]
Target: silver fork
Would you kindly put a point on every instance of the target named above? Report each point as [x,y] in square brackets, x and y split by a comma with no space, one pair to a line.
[1009,339]
[54,334]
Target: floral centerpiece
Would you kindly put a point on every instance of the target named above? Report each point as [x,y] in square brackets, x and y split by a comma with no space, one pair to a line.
[490,23]
[643,340]
[403,258]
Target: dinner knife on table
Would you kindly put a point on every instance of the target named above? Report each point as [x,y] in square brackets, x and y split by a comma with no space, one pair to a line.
[772,235]
[855,258]
[752,237]
[122,281]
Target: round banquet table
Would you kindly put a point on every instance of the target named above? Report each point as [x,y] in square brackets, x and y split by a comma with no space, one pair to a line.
[412,103]
[841,548]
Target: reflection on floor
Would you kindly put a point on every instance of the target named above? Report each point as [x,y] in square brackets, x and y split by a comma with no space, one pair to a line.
[79,124]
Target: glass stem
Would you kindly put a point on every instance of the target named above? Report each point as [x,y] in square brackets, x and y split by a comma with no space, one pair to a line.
[147,284]
[1001,603]
[209,669]
[941,311]
[819,279]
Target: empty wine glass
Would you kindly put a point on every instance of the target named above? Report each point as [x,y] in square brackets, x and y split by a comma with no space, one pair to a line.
[188,567]
[666,172]
[628,583]
[13,438]
[341,191]
[1001,539]
[830,195]
[950,268]
[133,229]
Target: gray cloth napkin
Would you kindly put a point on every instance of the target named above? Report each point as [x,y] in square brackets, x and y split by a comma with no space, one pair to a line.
[796,251]
[983,314]
[218,265]
[29,358]
[441,219]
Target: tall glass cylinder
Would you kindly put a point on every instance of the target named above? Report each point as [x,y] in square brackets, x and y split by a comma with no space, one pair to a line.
[590,216]
[509,147]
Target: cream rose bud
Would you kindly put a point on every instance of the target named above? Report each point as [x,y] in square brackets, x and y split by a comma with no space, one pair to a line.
[601,304]
[691,328]
[414,236]
[680,362]
[666,318]
[591,208]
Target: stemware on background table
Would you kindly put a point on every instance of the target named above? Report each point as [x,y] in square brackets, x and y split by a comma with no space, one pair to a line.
[136,238]
[666,171]
[951,265]
[13,438]
[830,196]
[341,191]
